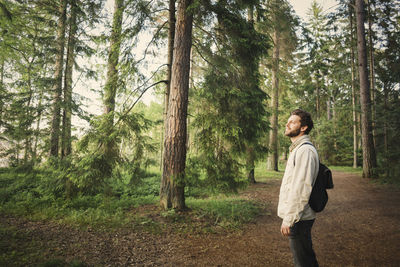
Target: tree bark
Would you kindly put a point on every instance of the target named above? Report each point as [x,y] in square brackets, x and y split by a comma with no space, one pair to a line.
[333,100]
[369,158]
[385,130]
[28,147]
[353,90]
[2,63]
[111,86]
[171,36]
[250,154]
[66,131]
[273,135]
[328,110]
[37,131]
[372,74]
[172,182]
[57,88]
[250,165]
[317,97]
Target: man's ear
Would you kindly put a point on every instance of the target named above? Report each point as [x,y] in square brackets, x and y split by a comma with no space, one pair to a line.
[303,128]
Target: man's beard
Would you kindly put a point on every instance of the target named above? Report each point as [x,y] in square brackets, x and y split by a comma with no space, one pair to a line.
[293,133]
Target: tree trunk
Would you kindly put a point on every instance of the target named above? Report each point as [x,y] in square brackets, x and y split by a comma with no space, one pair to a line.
[334,123]
[385,130]
[66,134]
[369,158]
[372,74]
[37,131]
[317,98]
[328,110]
[172,182]
[2,63]
[171,36]
[57,88]
[250,164]
[110,88]
[250,154]
[353,91]
[28,147]
[273,135]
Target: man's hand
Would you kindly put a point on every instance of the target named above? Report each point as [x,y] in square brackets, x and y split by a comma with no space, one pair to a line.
[285,229]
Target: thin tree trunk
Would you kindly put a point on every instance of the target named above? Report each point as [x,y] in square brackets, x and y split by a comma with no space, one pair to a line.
[369,158]
[328,110]
[2,63]
[37,131]
[372,74]
[353,91]
[334,122]
[57,88]
[273,135]
[28,147]
[385,130]
[172,182]
[250,154]
[171,37]
[317,98]
[66,134]
[110,88]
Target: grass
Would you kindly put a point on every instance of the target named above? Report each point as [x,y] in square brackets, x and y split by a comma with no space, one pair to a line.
[228,212]
[348,169]
[262,174]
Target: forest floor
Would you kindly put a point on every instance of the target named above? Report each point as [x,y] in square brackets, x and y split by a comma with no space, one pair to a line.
[359,227]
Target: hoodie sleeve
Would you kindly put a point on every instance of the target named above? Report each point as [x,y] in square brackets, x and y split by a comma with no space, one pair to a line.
[305,172]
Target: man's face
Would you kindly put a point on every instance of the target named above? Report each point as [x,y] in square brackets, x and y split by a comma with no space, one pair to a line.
[293,126]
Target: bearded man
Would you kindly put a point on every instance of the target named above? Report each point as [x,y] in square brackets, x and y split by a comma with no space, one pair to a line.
[300,174]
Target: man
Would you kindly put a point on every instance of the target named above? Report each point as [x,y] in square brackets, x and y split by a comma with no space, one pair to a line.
[300,174]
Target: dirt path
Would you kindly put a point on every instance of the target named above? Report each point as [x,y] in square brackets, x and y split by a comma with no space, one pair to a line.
[359,227]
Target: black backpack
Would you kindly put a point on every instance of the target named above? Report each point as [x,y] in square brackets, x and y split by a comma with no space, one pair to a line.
[319,196]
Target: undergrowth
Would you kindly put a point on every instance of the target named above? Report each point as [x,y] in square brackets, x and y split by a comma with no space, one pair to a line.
[29,195]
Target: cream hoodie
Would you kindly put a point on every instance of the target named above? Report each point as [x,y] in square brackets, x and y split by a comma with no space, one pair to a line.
[297,183]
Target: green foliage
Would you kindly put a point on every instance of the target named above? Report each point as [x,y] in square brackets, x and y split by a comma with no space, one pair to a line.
[28,194]
[220,173]
[96,165]
[227,212]
[229,110]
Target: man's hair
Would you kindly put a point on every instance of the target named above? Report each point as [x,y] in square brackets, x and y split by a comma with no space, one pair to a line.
[305,119]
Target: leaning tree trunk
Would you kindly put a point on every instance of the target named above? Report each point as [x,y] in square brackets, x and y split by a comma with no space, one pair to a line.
[57,88]
[172,182]
[110,88]
[273,136]
[353,91]
[369,158]
[66,133]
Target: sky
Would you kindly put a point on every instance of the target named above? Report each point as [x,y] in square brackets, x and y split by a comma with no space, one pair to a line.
[301,6]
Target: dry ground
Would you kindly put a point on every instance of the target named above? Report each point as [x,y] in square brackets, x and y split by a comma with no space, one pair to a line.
[359,227]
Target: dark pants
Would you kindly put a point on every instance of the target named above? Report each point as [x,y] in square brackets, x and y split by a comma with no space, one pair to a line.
[301,244]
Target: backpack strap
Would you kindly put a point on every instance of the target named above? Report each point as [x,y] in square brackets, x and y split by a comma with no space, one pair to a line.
[294,161]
